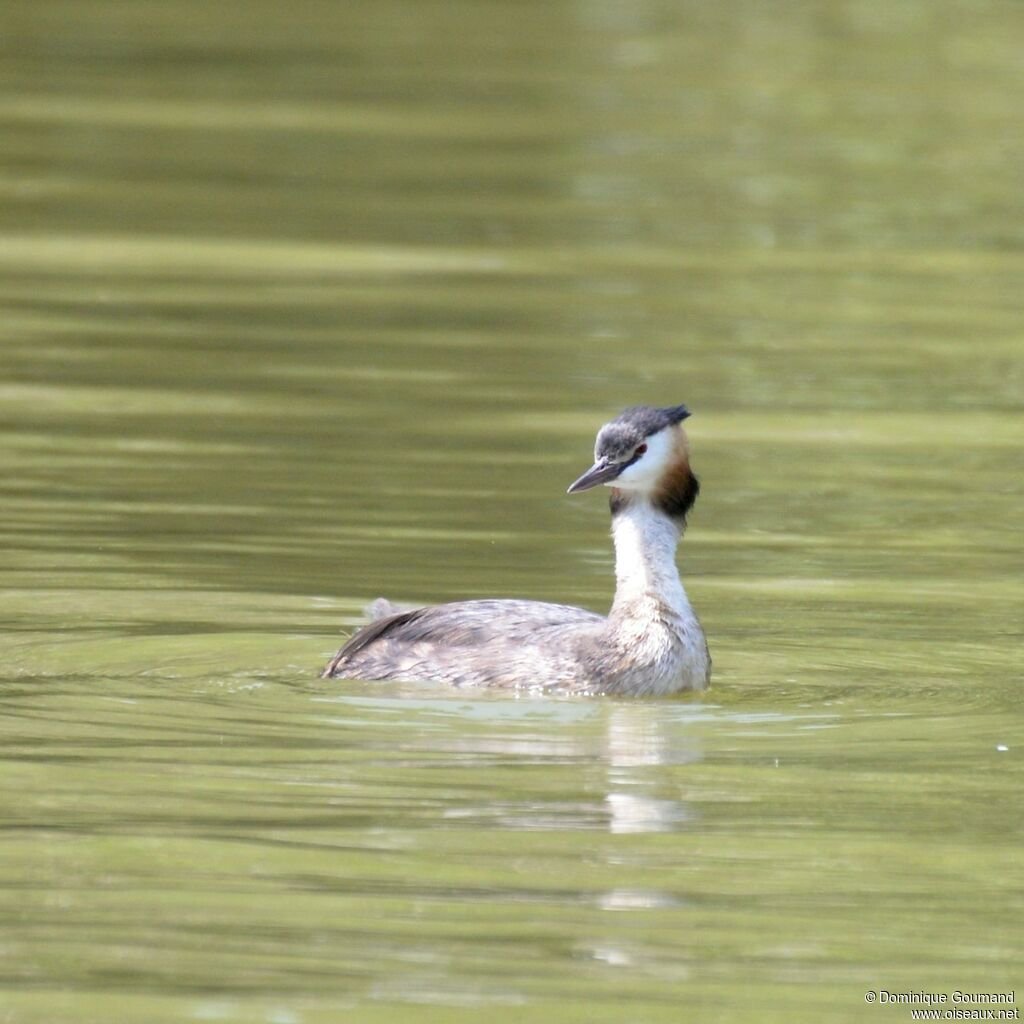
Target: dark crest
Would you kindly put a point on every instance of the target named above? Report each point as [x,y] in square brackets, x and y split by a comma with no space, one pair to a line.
[650,420]
[632,425]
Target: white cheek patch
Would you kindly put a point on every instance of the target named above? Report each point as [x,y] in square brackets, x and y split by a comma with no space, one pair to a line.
[645,473]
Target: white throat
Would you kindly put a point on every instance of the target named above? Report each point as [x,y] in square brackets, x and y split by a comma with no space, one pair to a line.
[645,560]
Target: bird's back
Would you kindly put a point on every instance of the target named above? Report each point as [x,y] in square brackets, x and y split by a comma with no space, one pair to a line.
[502,643]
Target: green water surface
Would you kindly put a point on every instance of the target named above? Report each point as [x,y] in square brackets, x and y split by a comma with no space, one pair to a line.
[304,304]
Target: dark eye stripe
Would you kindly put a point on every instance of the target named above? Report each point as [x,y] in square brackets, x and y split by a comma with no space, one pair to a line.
[636,455]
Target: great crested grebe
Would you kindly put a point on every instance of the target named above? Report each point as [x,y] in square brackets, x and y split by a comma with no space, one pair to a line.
[651,641]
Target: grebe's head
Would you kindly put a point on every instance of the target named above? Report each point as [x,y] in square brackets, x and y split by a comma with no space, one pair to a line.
[644,453]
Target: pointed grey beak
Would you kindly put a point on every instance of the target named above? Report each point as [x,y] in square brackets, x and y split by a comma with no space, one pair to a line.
[599,473]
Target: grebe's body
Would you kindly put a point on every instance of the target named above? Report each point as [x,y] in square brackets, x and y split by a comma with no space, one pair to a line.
[650,643]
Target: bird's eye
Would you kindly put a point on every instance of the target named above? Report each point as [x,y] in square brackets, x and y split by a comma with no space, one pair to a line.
[640,450]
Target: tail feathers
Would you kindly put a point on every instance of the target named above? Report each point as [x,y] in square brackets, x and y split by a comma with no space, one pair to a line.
[367,635]
[382,608]
[383,614]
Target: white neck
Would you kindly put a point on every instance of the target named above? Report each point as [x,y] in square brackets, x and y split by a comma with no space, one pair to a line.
[645,562]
